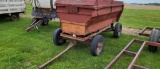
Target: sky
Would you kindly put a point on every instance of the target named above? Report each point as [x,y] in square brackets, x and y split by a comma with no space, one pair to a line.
[140,1]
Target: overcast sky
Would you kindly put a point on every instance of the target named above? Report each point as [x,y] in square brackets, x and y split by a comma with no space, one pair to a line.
[140,1]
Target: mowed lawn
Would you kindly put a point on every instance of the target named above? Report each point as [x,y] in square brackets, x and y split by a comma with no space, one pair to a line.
[27,50]
[136,18]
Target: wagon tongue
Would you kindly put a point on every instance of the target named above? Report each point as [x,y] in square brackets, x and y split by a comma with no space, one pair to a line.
[76,2]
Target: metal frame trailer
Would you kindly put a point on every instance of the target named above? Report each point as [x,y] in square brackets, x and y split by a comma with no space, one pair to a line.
[12,8]
[152,44]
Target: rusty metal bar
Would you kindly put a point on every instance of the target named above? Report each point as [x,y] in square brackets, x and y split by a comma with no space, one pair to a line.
[147,35]
[73,43]
[139,67]
[142,32]
[138,41]
[109,66]
[157,28]
[136,57]
[149,28]
[129,53]
[153,44]
[33,25]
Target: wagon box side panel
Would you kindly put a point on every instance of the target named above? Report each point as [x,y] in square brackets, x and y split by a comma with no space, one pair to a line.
[74,18]
[81,16]
[119,13]
[114,16]
[103,11]
[104,2]
[97,26]
[73,28]
[76,2]
[80,11]
[118,7]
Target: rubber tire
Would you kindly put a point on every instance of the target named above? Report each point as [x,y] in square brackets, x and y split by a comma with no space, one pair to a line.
[117,30]
[154,37]
[57,39]
[14,17]
[94,43]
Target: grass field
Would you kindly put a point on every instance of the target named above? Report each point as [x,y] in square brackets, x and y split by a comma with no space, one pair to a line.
[28,9]
[28,50]
[136,18]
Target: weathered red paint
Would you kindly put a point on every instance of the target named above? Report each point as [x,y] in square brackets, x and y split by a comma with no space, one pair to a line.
[94,14]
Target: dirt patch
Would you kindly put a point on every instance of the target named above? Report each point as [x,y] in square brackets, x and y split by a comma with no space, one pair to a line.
[145,7]
[26,16]
[27,0]
[131,31]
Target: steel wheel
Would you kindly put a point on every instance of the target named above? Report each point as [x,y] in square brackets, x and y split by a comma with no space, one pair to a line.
[97,45]
[154,37]
[117,30]
[57,39]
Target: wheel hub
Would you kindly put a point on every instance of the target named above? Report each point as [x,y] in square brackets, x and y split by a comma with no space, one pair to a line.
[99,47]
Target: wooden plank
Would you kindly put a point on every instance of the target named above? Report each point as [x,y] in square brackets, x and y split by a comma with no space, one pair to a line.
[72,28]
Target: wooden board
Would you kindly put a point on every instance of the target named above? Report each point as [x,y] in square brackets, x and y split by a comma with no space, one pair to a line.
[73,28]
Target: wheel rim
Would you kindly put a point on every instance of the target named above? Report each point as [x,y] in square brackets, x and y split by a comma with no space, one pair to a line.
[99,47]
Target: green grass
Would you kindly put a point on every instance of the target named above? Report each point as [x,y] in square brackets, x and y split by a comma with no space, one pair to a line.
[140,18]
[28,50]
[28,8]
